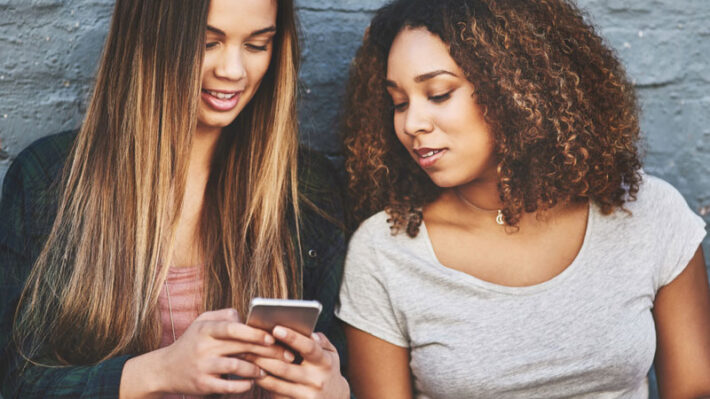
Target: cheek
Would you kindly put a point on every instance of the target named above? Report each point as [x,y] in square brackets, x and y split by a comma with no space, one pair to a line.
[399,129]
[257,65]
[206,67]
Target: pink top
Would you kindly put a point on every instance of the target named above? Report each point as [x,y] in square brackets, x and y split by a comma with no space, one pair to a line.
[184,284]
[185,287]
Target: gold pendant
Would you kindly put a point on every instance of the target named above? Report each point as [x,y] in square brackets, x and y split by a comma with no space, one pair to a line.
[499,218]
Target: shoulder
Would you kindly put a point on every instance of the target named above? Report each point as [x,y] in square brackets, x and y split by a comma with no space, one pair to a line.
[376,226]
[320,188]
[656,198]
[38,165]
[373,238]
[666,227]
[321,224]
[28,199]
[317,177]
[320,199]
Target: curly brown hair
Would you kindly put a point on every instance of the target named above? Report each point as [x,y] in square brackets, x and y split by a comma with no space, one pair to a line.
[559,104]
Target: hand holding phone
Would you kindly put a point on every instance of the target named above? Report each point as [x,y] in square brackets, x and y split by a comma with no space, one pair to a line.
[296,314]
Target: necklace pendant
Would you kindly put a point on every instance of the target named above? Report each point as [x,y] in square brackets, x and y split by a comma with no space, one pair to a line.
[499,218]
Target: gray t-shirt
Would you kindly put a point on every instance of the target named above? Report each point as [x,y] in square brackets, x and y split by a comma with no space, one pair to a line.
[587,332]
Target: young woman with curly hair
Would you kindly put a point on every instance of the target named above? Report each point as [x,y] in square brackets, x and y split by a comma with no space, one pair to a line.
[509,245]
[129,250]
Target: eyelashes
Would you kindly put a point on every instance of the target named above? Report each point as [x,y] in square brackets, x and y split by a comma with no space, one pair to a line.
[437,99]
[250,47]
[441,97]
[254,47]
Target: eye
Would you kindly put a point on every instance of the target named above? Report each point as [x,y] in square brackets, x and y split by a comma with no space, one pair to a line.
[210,45]
[400,107]
[255,48]
[440,98]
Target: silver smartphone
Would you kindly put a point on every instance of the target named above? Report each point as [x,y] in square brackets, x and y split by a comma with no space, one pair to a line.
[296,314]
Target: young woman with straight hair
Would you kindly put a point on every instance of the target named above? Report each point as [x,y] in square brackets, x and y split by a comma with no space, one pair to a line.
[509,245]
[130,250]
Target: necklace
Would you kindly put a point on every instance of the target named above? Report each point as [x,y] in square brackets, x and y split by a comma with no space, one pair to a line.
[499,212]
[170,312]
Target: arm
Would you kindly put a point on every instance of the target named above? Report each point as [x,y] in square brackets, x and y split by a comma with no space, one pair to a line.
[378,369]
[17,251]
[682,316]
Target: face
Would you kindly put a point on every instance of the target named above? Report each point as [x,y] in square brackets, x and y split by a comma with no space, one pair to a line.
[238,48]
[436,116]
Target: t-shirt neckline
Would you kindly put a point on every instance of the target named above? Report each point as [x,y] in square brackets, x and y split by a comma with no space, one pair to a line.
[517,290]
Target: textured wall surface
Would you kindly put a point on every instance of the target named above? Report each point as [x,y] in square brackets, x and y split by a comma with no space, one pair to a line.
[49,49]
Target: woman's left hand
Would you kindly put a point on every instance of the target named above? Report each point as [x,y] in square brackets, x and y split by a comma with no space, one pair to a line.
[318,376]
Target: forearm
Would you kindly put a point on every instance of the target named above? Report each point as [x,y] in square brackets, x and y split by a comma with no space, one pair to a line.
[98,381]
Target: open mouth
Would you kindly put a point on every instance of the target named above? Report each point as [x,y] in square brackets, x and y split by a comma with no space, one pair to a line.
[430,153]
[221,100]
[427,157]
[220,95]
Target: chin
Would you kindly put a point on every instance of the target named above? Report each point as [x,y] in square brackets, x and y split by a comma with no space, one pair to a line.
[444,181]
[216,122]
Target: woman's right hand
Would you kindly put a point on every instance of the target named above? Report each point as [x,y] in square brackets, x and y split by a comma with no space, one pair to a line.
[194,364]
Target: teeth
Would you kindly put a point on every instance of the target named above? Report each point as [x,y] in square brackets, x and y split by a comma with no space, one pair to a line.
[431,153]
[221,96]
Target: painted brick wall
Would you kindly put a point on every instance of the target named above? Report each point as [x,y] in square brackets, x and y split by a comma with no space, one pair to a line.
[49,49]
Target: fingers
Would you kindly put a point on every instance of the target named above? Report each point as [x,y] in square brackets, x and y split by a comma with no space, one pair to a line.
[299,373]
[228,314]
[287,371]
[220,385]
[309,349]
[228,347]
[234,366]
[324,342]
[285,388]
[237,331]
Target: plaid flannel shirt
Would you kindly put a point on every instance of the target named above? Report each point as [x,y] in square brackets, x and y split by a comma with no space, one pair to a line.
[27,208]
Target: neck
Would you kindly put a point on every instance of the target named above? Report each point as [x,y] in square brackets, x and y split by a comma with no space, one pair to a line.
[481,194]
[203,146]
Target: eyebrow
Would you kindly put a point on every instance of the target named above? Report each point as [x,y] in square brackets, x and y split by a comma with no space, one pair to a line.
[254,33]
[423,77]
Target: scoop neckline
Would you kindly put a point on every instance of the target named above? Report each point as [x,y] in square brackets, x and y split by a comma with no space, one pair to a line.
[517,290]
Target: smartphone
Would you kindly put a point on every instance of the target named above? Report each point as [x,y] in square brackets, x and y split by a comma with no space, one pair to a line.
[296,314]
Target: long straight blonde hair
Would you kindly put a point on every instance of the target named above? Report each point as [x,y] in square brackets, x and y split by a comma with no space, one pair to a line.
[93,291]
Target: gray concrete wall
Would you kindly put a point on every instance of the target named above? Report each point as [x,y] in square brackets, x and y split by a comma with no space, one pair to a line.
[49,49]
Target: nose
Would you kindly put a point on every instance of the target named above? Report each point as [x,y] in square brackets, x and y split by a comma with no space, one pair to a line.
[230,65]
[417,120]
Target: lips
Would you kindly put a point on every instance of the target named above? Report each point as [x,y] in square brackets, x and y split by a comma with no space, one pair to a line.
[221,100]
[427,157]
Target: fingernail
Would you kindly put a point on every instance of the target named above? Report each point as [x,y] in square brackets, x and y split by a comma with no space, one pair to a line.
[289,356]
[269,340]
[280,332]
[316,337]
[262,373]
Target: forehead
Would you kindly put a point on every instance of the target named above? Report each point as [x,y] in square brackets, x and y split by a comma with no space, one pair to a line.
[417,51]
[242,16]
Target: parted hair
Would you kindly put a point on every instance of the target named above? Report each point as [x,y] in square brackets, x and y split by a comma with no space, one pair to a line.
[563,114]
